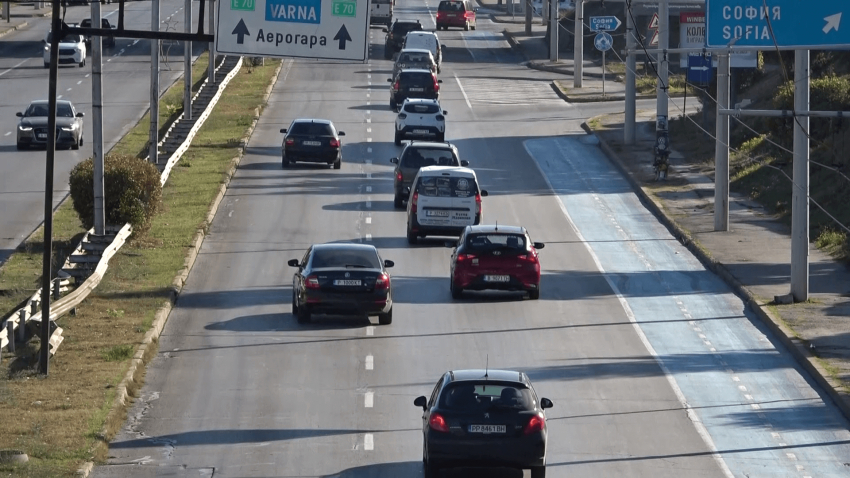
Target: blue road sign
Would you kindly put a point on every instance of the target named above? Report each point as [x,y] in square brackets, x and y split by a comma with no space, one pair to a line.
[786,23]
[699,70]
[604,24]
[603,41]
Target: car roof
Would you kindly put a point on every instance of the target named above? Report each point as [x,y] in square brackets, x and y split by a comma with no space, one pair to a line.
[415,70]
[422,33]
[408,22]
[495,375]
[344,246]
[44,102]
[421,51]
[432,144]
[496,228]
[440,170]
[311,120]
[422,100]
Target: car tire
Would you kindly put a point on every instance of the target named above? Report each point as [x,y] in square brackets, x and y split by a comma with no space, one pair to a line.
[538,472]
[83,63]
[411,237]
[397,138]
[303,315]
[398,201]
[473,26]
[46,65]
[466,27]
[386,319]
[534,294]
[393,106]
[81,140]
[75,145]
[457,292]
[338,163]
[22,146]
[294,305]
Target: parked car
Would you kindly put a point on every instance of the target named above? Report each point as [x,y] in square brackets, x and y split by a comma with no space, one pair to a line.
[425,41]
[312,141]
[396,33]
[413,84]
[381,11]
[443,201]
[414,58]
[456,13]
[72,49]
[108,42]
[342,279]
[495,257]
[415,156]
[420,118]
[484,418]
[32,127]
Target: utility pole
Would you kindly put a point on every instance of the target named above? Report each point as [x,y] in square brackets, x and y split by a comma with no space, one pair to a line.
[154,119]
[721,147]
[544,12]
[631,94]
[800,187]
[187,63]
[663,45]
[97,119]
[554,30]
[578,42]
[7,13]
[46,272]
[211,71]
[528,17]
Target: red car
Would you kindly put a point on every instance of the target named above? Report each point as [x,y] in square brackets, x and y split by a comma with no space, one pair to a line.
[495,257]
[456,13]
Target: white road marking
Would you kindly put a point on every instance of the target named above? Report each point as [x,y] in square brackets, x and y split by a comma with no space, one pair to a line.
[368,75]
[368,204]
[80,82]
[370,330]
[369,399]
[368,112]
[368,102]
[69,89]
[368,221]
[230,214]
[370,362]
[463,92]
[742,388]
[10,69]
[59,97]
[7,134]
[368,150]
[368,188]
[748,396]
[712,349]
[368,95]
[368,175]
[791,456]
[368,130]
[368,120]
[368,442]
[736,379]
[755,406]
[368,140]
[369,161]
[88,75]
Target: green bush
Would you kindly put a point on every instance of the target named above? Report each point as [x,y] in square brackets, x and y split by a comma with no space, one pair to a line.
[830,93]
[132,191]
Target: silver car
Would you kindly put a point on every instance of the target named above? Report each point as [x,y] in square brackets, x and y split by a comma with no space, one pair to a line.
[32,128]
[414,58]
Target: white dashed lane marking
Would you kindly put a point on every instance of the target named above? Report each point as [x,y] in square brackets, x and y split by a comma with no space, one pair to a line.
[368,237]
[369,400]
[368,442]
[370,330]
[7,134]
[368,190]
[370,362]
[368,221]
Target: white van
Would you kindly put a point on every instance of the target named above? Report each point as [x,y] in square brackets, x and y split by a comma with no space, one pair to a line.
[381,11]
[443,201]
[425,41]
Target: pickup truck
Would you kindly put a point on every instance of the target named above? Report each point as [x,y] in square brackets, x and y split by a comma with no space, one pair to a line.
[104,23]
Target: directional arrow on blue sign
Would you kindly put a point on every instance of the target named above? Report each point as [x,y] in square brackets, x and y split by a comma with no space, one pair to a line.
[784,23]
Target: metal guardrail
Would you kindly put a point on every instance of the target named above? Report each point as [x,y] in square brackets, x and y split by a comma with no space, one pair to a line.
[30,314]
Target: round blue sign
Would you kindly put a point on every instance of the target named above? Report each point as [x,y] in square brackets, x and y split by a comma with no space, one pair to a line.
[603,41]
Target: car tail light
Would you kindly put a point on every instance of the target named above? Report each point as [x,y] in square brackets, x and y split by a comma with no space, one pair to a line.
[413,201]
[383,281]
[312,282]
[440,117]
[396,85]
[398,176]
[436,84]
[402,116]
[535,424]
[334,143]
[438,423]
[477,203]
[467,15]
[290,141]
[440,15]
[465,257]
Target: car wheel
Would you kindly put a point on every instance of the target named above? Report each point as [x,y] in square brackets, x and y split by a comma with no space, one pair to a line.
[398,202]
[393,105]
[397,138]
[411,237]
[534,294]
[338,163]
[75,145]
[22,146]
[81,140]
[83,63]
[303,315]
[457,292]
[538,472]
[466,27]
[473,26]
[294,305]
[386,319]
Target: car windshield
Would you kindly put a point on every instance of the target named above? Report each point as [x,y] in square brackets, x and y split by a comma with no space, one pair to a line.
[495,241]
[63,110]
[421,108]
[312,129]
[447,186]
[68,38]
[37,109]
[421,157]
[345,258]
[479,396]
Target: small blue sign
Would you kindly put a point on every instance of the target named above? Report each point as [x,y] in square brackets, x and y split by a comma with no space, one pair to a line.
[603,41]
[604,24]
[784,23]
[700,70]
[295,11]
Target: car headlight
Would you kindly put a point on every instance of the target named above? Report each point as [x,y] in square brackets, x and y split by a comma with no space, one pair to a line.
[69,128]
[24,128]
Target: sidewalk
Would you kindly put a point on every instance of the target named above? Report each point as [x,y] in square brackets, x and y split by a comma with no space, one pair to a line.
[754,257]
[20,16]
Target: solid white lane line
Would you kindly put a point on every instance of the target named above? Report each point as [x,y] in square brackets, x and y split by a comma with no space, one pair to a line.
[370,362]
[463,92]
[368,442]
[370,330]
[369,399]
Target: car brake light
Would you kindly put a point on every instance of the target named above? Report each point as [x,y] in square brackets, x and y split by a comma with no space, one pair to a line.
[398,176]
[477,203]
[465,257]
[395,85]
[312,282]
[402,116]
[436,84]
[290,141]
[413,201]
[467,15]
[334,143]
[438,423]
[535,424]
[440,15]
[440,117]
[383,281]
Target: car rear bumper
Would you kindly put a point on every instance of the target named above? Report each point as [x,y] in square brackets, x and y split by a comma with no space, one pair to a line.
[476,281]
[400,97]
[311,156]
[421,131]
[454,22]
[346,305]
[521,452]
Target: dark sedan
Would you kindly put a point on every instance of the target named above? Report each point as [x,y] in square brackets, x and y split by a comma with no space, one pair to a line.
[32,128]
[313,141]
[484,418]
[346,279]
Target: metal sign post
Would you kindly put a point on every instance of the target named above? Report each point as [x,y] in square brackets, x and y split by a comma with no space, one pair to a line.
[603,42]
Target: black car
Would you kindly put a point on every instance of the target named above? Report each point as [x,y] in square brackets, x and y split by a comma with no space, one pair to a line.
[104,24]
[413,83]
[312,140]
[484,418]
[395,35]
[32,127]
[342,279]
[415,156]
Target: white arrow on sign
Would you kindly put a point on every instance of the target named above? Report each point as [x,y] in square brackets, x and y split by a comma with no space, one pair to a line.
[699,68]
[832,22]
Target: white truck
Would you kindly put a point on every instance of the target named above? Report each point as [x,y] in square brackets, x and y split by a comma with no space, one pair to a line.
[381,11]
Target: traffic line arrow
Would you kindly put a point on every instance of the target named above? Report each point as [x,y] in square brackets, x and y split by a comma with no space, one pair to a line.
[343,36]
[832,22]
[240,31]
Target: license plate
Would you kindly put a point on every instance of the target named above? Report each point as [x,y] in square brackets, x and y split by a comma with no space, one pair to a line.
[420,131]
[42,136]
[347,282]
[486,429]
[311,143]
[437,213]
[417,89]
[497,278]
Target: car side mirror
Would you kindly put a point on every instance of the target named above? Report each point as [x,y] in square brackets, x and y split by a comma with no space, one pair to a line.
[283,130]
[340,133]
[539,245]
[80,114]
[545,403]
[484,193]
[293,262]
[421,402]
[394,160]
[388,263]
[385,30]
[389,80]
[464,163]
[445,112]
[19,114]
[439,81]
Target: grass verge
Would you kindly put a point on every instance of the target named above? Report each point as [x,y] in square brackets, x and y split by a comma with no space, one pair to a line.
[58,419]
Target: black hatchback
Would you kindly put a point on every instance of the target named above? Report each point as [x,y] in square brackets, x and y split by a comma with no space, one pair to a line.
[484,418]
[413,83]
[343,279]
[312,140]
[396,33]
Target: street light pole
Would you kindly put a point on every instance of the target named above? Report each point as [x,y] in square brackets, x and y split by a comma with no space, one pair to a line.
[97,120]
[154,118]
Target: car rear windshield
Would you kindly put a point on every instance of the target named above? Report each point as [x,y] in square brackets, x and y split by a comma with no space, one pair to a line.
[446,6]
[495,241]
[447,187]
[404,27]
[421,108]
[312,129]
[465,396]
[416,78]
[415,58]
[345,258]
[420,157]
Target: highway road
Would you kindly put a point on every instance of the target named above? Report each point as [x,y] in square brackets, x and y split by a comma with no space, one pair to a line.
[655,367]
[126,95]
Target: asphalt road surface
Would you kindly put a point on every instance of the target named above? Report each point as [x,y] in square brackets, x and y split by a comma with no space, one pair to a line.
[126,95]
[655,368]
